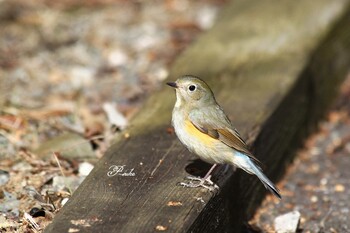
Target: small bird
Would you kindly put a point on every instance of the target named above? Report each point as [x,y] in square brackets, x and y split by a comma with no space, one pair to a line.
[203,127]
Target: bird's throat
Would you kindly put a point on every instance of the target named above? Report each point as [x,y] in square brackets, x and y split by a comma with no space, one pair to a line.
[178,100]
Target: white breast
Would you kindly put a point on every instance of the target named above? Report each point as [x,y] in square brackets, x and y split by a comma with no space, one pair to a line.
[178,100]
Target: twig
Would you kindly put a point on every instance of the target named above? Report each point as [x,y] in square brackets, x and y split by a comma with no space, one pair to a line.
[31,222]
[56,154]
[323,220]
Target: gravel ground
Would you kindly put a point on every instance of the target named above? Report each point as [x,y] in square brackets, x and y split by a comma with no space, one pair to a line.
[72,75]
[317,184]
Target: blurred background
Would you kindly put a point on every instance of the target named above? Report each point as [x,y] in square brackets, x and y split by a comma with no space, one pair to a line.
[72,75]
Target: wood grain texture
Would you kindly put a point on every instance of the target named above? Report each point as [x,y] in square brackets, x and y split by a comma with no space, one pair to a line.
[274,95]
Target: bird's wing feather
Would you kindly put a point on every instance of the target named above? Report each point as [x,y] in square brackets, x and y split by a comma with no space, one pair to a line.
[207,121]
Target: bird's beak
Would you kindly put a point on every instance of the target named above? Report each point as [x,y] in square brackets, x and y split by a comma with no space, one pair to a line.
[172,84]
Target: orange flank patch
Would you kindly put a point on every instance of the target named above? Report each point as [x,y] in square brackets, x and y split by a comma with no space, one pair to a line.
[202,137]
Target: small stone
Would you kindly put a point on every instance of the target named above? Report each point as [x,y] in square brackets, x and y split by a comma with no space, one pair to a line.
[4,177]
[117,58]
[161,74]
[323,181]
[81,76]
[9,204]
[2,220]
[339,188]
[85,168]
[206,16]
[315,151]
[314,199]
[287,223]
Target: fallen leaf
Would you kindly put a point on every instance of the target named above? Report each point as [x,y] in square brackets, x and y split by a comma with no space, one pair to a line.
[10,122]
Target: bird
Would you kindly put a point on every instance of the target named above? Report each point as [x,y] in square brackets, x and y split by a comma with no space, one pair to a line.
[203,127]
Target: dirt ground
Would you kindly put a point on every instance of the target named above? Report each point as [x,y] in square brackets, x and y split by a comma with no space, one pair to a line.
[317,184]
[72,74]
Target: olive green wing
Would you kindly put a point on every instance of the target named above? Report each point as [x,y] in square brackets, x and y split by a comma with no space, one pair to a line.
[213,122]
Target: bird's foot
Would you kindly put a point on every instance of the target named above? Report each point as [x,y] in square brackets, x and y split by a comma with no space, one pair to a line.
[195,182]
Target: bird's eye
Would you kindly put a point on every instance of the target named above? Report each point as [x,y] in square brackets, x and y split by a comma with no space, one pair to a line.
[192,87]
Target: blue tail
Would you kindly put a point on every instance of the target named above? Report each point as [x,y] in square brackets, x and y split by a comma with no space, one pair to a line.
[247,164]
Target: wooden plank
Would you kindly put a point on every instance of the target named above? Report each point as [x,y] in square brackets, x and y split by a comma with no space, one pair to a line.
[275,83]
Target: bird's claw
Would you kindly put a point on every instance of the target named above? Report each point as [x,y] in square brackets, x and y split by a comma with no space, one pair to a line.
[200,182]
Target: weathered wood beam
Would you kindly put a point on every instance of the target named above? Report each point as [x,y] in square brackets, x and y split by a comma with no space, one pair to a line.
[274,66]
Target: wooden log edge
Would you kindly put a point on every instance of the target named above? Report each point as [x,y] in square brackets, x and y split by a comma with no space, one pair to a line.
[141,203]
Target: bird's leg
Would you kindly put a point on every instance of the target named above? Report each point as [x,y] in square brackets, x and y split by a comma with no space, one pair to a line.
[201,181]
[227,166]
